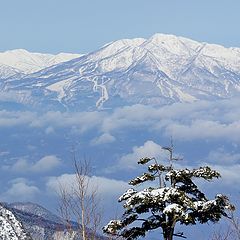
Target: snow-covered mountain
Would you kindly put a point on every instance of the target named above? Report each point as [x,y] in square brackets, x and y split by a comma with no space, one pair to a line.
[7,71]
[160,70]
[26,62]
[10,227]
[35,209]
[41,224]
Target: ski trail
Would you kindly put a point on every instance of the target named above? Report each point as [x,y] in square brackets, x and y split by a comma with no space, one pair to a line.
[98,88]
[103,90]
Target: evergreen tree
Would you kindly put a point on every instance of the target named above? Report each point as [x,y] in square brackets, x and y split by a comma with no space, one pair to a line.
[175,199]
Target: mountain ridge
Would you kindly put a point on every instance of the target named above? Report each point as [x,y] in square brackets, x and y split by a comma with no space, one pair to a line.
[42,224]
[160,70]
[28,62]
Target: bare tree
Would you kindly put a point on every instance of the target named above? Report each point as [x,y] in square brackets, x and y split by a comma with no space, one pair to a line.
[235,224]
[81,203]
[222,235]
[232,230]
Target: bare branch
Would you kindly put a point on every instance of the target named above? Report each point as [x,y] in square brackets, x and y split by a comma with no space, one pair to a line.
[81,202]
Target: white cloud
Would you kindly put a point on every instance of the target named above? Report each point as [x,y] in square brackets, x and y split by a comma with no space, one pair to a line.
[105,186]
[136,115]
[227,164]
[80,121]
[204,129]
[20,165]
[149,149]
[230,175]
[204,120]
[222,157]
[103,139]
[45,164]
[11,119]
[20,190]
[185,121]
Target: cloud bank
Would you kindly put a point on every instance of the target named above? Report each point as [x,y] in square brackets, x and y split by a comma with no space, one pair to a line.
[184,121]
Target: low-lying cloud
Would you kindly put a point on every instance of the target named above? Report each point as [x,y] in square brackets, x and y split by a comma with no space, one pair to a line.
[185,121]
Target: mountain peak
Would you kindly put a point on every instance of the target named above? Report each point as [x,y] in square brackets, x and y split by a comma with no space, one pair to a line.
[28,62]
[116,46]
[162,36]
[17,51]
[172,43]
[160,70]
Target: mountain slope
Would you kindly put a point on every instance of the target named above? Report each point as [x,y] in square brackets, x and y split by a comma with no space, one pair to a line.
[42,224]
[35,209]
[10,227]
[7,72]
[160,70]
[27,62]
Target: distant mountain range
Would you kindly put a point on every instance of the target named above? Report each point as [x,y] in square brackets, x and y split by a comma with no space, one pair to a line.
[160,70]
[36,223]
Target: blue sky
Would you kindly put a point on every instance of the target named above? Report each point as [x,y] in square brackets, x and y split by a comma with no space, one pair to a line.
[84,25]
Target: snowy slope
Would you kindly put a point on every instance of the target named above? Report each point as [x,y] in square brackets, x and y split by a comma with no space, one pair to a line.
[160,70]
[7,71]
[10,227]
[35,209]
[42,224]
[28,62]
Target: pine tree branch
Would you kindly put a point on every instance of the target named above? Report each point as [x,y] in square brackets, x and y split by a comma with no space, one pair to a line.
[179,235]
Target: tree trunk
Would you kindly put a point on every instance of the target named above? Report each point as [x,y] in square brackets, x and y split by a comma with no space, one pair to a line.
[168,233]
[83,223]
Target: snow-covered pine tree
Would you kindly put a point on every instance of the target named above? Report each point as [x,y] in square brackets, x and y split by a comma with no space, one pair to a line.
[173,198]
